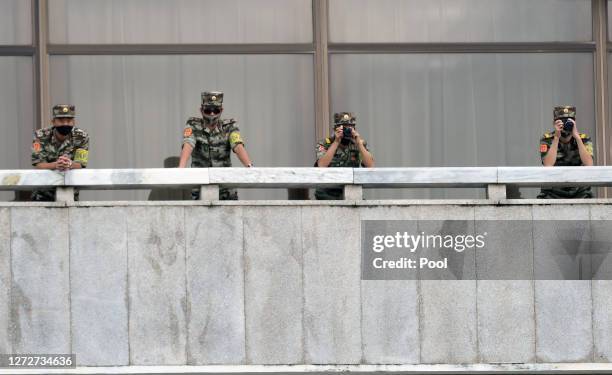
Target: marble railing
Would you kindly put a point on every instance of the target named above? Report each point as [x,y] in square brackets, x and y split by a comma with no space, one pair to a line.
[494,179]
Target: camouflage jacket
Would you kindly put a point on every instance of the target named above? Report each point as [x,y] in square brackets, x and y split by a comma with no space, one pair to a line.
[567,156]
[46,148]
[348,157]
[211,147]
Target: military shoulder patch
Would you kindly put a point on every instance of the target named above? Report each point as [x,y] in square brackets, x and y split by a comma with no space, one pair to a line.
[81,156]
[327,140]
[188,132]
[583,136]
[547,135]
[322,148]
[36,146]
[235,138]
[543,147]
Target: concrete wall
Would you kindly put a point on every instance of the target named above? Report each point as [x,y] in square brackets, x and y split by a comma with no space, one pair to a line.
[260,284]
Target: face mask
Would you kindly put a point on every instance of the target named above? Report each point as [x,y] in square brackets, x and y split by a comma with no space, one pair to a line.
[64,129]
[210,118]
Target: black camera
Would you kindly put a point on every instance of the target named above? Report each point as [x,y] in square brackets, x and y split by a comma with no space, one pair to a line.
[347,132]
[568,125]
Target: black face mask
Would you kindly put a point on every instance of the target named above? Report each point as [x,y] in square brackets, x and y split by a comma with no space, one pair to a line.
[64,129]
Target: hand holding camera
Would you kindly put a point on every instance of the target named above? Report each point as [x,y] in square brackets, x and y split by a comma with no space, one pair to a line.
[558,128]
[574,129]
[565,127]
[339,134]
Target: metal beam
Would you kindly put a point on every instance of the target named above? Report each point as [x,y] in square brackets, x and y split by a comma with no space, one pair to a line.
[41,63]
[354,48]
[179,49]
[17,51]
[602,127]
[36,63]
[321,68]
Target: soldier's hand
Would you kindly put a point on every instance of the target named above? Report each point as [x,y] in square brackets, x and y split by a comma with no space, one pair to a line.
[63,163]
[558,128]
[339,133]
[60,165]
[356,136]
[575,132]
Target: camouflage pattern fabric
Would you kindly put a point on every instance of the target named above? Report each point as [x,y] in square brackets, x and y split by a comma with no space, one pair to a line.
[346,156]
[564,111]
[64,111]
[212,98]
[344,118]
[567,156]
[46,148]
[212,148]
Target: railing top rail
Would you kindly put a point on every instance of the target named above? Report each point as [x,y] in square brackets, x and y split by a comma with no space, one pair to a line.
[102,179]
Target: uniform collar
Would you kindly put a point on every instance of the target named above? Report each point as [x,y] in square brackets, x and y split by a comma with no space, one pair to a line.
[215,129]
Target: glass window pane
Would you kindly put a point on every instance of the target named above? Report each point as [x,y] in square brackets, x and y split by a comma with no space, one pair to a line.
[15,22]
[180,21]
[456,110]
[17,121]
[135,107]
[387,21]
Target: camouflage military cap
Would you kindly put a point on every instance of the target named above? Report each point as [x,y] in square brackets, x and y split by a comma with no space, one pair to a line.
[344,118]
[64,110]
[212,98]
[564,111]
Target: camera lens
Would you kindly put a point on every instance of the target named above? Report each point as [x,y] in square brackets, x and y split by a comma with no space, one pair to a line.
[347,132]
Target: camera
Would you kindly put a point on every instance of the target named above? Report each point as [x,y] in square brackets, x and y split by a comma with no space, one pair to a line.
[567,125]
[347,132]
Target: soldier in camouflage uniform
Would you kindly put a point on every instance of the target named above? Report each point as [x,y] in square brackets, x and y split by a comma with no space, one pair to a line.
[349,151]
[566,147]
[208,141]
[61,147]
